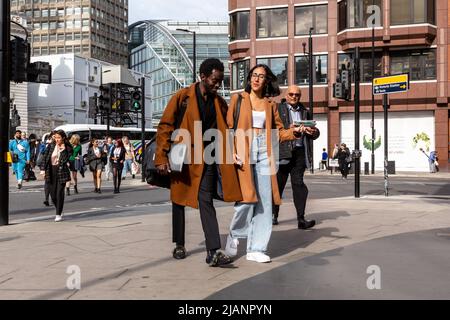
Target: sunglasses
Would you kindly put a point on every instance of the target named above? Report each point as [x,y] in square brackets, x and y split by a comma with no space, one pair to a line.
[297,95]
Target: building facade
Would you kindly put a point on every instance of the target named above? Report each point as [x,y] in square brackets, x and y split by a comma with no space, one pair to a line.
[66,100]
[411,36]
[158,49]
[90,28]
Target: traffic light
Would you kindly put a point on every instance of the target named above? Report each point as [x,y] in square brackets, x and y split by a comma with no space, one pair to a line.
[20,59]
[104,100]
[40,72]
[136,100]
[347,84]
[342,89]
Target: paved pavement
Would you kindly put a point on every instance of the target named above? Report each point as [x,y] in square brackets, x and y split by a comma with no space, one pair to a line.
[124,256]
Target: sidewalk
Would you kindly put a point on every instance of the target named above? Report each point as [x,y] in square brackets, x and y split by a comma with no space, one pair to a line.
[130,257]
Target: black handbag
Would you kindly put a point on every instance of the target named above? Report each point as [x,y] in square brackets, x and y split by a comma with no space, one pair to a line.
[151,174]
[15,158]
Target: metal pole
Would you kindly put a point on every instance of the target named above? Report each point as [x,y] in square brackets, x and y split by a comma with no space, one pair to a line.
[311,91]
[373,96]
[194,58]
[143,127]
[386,177]
[4,109]
[357,153]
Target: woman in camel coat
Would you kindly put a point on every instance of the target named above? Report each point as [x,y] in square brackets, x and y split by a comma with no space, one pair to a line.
[259,129]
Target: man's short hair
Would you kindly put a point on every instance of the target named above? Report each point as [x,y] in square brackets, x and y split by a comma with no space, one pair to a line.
[18,131]
[211,64]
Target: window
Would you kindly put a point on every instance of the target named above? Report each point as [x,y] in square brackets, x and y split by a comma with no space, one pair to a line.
[358,14]
[412,11]
[365,64]
[311,16]
[420,64]
[320,67]
[271,23]
[240,72]
[278,67]
[240,25]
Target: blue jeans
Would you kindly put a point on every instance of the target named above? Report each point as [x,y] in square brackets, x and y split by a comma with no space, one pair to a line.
[254,220]
[126,167]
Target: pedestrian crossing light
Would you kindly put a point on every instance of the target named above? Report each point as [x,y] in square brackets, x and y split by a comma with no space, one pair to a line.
[136,101]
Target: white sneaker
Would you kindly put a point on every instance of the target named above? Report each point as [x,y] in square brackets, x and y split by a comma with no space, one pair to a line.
[258,257]
[58,218]
[231,247]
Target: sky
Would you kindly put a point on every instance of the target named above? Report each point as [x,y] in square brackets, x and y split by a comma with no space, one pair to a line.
[179,10]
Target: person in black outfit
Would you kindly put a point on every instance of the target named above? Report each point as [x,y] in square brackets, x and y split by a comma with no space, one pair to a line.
[295,156]
[56,168]
[342,156]
[117,158]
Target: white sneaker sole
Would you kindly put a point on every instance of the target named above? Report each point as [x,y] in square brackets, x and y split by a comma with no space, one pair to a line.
[259,261]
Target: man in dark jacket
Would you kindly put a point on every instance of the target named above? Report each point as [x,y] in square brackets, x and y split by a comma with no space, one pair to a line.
[295,156]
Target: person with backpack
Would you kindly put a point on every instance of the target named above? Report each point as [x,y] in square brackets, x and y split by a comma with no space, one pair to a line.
[197,184]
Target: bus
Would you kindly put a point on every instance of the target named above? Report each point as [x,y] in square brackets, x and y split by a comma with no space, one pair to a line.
[91,131]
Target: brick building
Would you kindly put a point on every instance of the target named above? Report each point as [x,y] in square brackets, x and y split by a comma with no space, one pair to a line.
[411,36]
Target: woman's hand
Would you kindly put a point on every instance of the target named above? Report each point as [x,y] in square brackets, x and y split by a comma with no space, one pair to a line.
[237,160]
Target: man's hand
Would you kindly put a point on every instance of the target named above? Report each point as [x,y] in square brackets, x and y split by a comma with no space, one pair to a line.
[163,169]
[310,131]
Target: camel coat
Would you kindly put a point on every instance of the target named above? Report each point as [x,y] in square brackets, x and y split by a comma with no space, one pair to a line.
[273,121]
[185,185]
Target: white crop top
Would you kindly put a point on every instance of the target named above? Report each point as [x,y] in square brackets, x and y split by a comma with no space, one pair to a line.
[259,119]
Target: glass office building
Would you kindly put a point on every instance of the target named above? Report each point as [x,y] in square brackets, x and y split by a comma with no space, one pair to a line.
[158,49]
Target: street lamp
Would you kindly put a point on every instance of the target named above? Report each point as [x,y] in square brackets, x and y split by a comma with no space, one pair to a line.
[311,80]
[373,97]
[194,59]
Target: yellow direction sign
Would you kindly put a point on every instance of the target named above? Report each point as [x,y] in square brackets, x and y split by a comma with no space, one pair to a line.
[391,84]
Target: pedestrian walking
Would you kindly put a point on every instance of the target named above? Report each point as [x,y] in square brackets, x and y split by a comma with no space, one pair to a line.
[254,156]
[43,151]
[96,158]
[344,159]
[199,181]
[56,168]
[129,157]
[324,163]
[109,145]
[75,164]
[117,159]
[21,155]
[295,156]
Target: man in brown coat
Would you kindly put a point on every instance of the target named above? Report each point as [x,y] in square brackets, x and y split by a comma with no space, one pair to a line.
[199,182]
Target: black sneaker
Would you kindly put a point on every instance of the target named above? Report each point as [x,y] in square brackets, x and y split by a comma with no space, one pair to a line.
[179,252]
[46,204]
[19,186]
[217,258]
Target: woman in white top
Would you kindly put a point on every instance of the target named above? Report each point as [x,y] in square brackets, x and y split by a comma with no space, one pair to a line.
[96,157]
[56,167]
[129,157]
[259,128]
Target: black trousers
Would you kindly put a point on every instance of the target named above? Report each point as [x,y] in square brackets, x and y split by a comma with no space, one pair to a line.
[208,216]
[47,190]
[117,176]
[178,224]
[296,168]
[57,191]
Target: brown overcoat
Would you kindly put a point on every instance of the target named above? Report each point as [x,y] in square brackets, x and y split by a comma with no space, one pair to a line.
[185,185]
[273,121]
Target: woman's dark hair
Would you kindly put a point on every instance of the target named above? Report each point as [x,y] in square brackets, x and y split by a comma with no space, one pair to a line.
[272,89]
[120,143]
[62,134]
[91,143]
